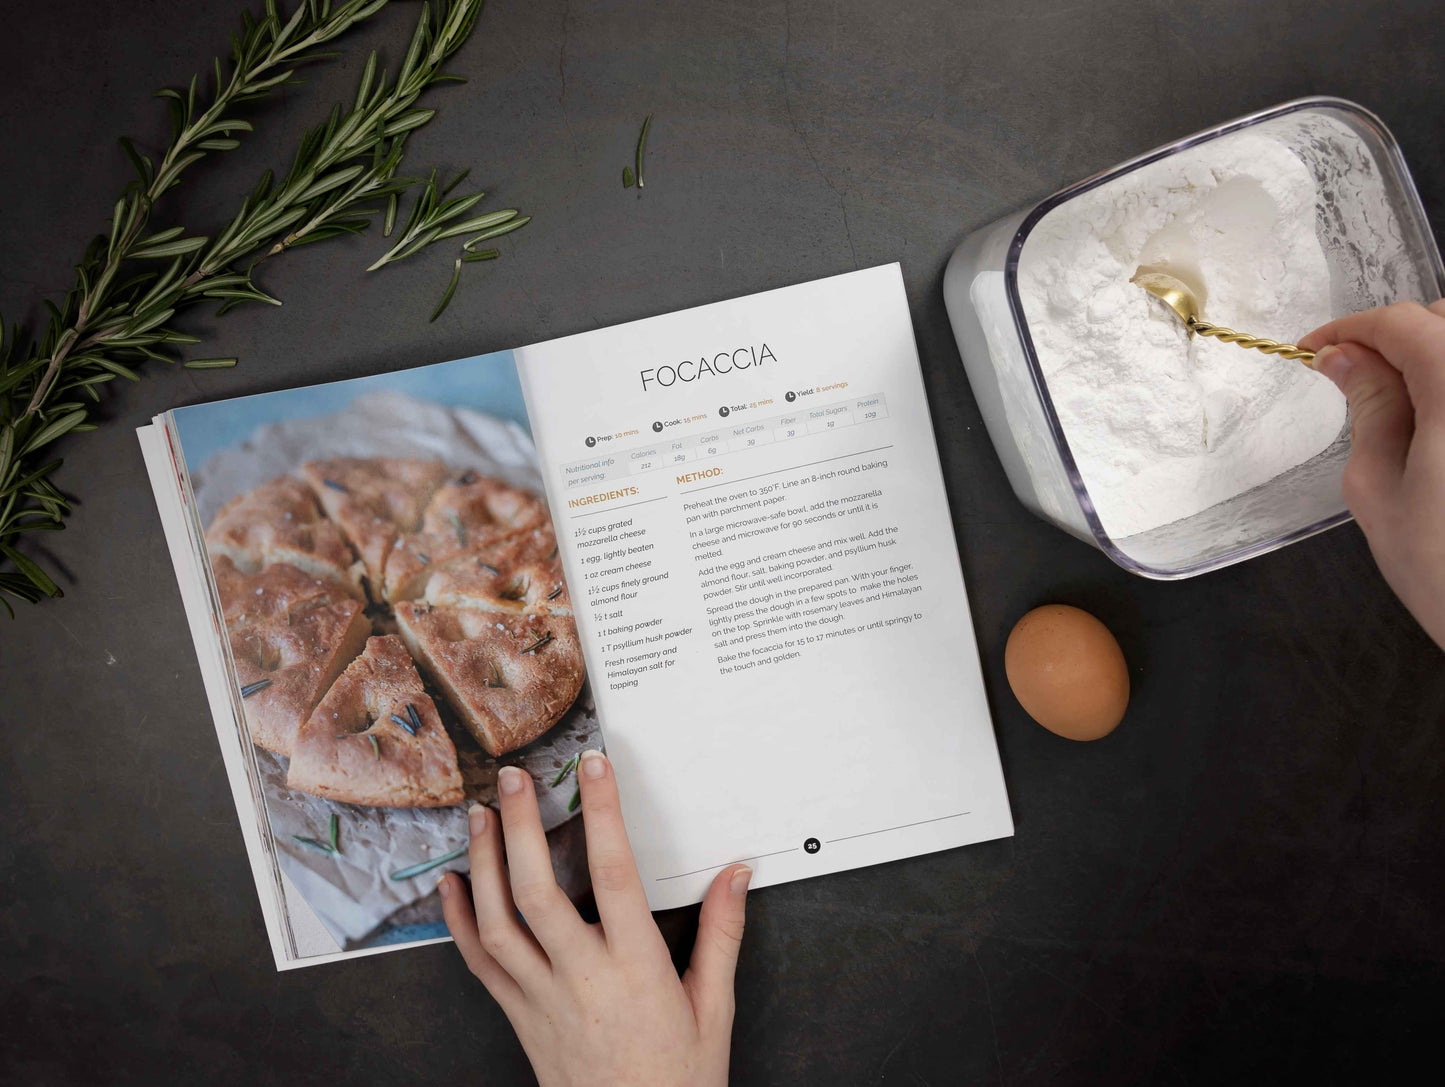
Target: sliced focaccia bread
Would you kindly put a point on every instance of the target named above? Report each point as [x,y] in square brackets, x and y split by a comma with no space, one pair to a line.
[464,518]
[280,522]
[273,593]
[375,500]
[291,635]
[509,676]
[376,738]
[518,573]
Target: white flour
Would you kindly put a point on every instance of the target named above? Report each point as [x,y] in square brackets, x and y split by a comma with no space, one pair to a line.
[1162,425]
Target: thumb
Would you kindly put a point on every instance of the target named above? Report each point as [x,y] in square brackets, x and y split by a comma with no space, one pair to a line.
[709,978]
[1382,419]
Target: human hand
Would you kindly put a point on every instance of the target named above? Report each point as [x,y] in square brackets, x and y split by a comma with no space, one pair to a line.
[593,1004]
[1390,364]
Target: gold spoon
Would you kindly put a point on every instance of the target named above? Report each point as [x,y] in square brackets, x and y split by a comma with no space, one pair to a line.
[1179,298]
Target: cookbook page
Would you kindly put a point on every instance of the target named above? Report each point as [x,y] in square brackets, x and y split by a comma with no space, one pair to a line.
[750,509]
[361,561]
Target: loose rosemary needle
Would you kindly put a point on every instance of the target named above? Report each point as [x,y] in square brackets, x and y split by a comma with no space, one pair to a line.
[642,146]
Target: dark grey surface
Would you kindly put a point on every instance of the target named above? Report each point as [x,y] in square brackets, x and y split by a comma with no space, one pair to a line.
[1243,884]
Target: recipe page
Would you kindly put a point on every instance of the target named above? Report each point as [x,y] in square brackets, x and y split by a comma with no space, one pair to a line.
[762,564]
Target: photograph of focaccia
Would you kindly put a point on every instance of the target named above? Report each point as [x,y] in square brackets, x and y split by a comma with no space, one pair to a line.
[465,567]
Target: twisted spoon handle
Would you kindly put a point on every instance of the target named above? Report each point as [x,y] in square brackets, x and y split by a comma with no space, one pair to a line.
[1244,339]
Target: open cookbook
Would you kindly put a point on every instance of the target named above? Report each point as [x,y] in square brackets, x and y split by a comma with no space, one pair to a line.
[715,543]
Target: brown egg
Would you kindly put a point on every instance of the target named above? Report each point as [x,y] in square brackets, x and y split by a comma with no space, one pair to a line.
[1067,672]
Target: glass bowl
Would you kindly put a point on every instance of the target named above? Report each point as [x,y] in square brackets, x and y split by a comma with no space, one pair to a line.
[980,288]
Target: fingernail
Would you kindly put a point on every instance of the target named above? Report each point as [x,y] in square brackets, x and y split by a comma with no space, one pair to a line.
[443,885]
[739,883]
[509,780]
[1333,363]
[593,764]
[477,818]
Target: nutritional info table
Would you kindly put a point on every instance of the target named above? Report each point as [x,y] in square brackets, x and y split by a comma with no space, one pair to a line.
[724,439]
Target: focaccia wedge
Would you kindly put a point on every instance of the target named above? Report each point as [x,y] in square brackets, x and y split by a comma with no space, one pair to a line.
[291,634]
[375,500]
[376,738]
[509,676]
[465,518]
[519,573]
[280,522]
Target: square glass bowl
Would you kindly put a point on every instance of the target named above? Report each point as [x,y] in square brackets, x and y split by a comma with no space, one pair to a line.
[980,288]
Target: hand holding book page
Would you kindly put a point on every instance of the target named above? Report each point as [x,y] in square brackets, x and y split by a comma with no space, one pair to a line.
[598,1003]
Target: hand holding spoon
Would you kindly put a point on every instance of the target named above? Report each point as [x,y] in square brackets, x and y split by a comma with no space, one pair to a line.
[1179,298]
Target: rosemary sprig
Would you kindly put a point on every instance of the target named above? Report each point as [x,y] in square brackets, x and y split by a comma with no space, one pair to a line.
[263,46]
[107,323]
[433,219]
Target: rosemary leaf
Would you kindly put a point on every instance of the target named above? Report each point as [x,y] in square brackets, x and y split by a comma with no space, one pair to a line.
[451,290]
[427,866]
[497,231]
[209,364]
[335,829]
[32,571]
[576,801]
[542,639]
[457,527]
[567,768]
[642,146]
[312,843]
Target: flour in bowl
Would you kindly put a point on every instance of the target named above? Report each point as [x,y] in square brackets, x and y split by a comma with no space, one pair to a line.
[1162,425]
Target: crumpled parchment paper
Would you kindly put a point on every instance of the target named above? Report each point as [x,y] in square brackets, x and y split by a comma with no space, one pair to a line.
[352,892]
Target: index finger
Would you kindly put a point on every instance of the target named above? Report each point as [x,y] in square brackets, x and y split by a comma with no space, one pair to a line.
[543,905]
[1409,336]
[621,902]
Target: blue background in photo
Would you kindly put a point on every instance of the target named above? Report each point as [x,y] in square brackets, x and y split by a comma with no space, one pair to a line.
[487,383]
